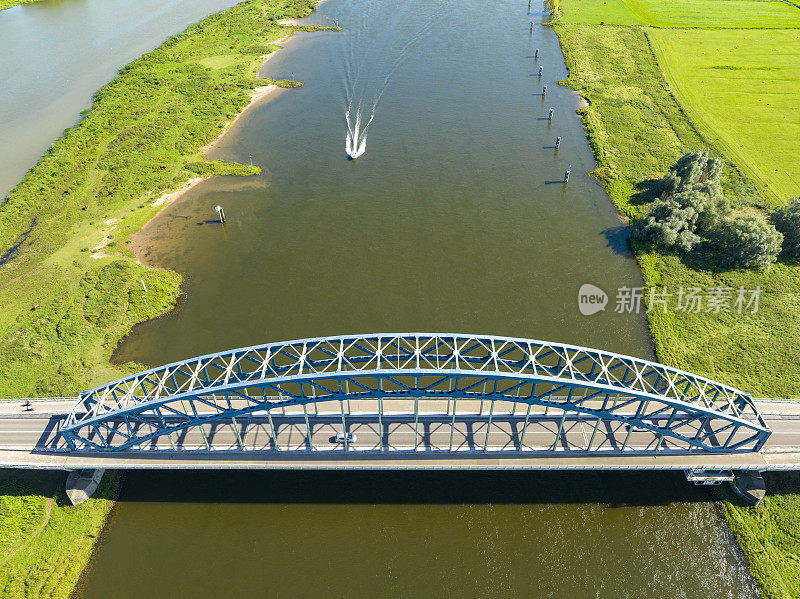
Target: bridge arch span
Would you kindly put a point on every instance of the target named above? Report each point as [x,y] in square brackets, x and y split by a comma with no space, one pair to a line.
[682,411]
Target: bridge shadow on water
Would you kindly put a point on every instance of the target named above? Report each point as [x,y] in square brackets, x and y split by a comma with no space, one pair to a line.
[414,487]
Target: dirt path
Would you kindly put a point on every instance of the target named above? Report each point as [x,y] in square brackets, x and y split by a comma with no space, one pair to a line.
[48,509]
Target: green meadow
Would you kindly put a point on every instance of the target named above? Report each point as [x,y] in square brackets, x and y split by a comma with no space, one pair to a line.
[708,14]
[743,109]
[721,78]
[637,130]
[741,89]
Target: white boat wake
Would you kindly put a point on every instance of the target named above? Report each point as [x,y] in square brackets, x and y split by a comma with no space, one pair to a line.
[356,140]
[367,74]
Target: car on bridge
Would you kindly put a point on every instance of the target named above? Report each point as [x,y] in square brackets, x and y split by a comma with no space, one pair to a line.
[636,429]
[348,437]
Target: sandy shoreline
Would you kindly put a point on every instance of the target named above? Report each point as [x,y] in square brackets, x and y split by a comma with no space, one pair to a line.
[256,96]
[165,199]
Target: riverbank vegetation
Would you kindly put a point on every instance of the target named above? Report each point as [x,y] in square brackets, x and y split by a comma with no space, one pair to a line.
[638,130]
[640,121]
[69,285]
[768,535]
[693,215]
[45,542]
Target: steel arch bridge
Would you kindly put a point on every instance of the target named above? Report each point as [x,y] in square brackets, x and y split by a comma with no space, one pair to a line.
[677,410]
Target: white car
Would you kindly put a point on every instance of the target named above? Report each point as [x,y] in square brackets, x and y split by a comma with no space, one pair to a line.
[637,429]
[349,437]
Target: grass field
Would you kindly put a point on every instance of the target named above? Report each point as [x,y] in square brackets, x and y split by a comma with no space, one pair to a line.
[69,286]
[45,543]
[708,14]
[769,535]
[741,88]
[638,123]
[637,130]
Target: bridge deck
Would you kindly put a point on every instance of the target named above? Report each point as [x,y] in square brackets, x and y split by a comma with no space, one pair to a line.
[393,440]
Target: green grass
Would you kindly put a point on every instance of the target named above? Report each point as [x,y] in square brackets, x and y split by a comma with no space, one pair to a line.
[769,535]
[219,62]
[755,14]
[741,89]
[637,130]
[66,305]
[45,543]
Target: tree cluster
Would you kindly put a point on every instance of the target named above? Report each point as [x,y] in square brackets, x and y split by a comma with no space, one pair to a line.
[693,211]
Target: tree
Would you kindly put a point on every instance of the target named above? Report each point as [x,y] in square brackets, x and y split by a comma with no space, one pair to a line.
[691,205]
[747,241]
[692,171]
[708,202]
[787,220]
[670,225]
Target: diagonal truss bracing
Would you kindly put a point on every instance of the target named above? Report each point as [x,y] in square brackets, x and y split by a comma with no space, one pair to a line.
[689,411]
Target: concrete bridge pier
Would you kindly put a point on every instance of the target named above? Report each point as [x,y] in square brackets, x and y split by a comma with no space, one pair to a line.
[81,484]
[749,485]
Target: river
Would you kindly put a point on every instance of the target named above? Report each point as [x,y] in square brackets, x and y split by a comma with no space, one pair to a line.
[57,53]
[454,219]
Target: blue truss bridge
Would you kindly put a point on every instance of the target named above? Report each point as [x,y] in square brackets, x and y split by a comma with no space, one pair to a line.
[426,394]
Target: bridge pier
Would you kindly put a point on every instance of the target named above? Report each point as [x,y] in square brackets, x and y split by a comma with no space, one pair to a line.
[81,484]
[749,485]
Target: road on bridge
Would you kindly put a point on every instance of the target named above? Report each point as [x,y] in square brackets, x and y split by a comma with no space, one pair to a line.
[30,438]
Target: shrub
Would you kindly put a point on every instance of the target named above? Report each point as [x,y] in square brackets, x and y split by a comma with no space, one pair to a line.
[747,241]
[670,225]
[692,170]
[218,167]
[787,220]
[708,202]
[678,222]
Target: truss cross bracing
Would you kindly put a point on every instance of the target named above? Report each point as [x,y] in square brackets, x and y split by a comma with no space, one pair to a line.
[486,380]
